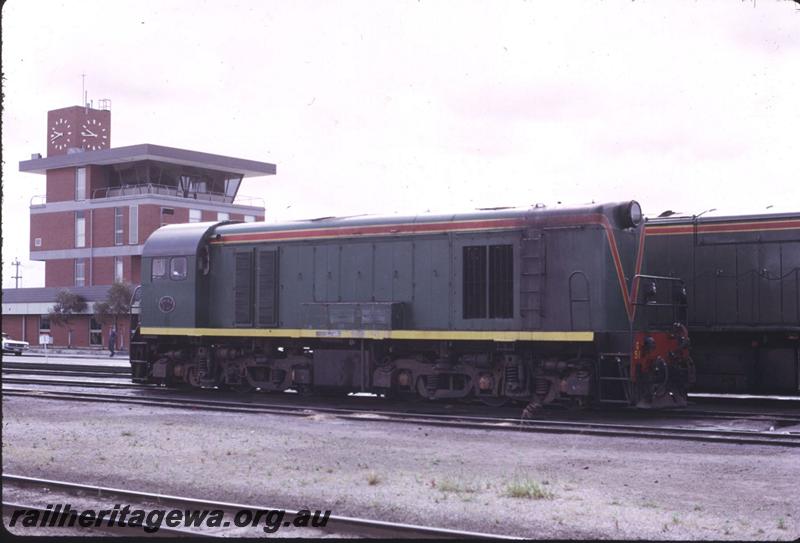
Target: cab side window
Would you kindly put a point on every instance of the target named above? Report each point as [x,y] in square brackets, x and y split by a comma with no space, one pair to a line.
[177,268]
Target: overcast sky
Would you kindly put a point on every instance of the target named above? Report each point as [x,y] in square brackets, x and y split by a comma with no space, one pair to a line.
[407,106]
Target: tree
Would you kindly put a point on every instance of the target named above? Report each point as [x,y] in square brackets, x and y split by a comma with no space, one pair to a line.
[67,304]
[117,302]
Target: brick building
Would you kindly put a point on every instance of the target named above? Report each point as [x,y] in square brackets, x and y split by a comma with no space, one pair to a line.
[100,206]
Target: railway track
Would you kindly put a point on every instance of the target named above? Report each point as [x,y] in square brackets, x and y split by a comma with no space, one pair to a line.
[74,370]
[75,383]
[336,525]
[731,436]
[783,417]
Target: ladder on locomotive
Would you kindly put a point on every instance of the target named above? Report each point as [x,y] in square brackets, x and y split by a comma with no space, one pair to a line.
[613,378]
[532,258]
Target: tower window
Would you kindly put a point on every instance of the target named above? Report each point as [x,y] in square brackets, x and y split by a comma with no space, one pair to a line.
[118,232]
[166,211]
[80,229]
[133,225]
[80,183]
[118,269]
[80,273]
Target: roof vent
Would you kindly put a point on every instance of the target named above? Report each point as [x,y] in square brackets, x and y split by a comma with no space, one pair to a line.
[36,156]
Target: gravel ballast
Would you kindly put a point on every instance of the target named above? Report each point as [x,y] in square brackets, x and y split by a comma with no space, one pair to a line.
[531,485]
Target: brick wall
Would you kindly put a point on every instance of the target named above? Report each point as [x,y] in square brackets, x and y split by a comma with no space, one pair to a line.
[59,273]
[61,185]
[57,231]
[80,332]
[136,270]
[32,329]
[12,325]
[103,229]
[103,270]
[150,220]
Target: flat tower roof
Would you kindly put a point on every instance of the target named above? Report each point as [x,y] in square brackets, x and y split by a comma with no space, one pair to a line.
[148,151]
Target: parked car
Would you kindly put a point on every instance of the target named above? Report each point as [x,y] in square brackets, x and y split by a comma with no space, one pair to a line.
[14,346]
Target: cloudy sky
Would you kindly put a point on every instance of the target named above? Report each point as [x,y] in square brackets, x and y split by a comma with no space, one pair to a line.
[408,106]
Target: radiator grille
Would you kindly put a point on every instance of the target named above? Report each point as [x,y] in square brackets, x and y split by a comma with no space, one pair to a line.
[243,289]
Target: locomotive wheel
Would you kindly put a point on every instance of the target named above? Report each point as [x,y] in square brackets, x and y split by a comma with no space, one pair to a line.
[422,390]
[192,377]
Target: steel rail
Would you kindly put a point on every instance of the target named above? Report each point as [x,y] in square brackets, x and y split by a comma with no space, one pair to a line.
[736,415]
[744,437]
[703,398]
[81,384]
[14,371]
[336,523]
[124,370]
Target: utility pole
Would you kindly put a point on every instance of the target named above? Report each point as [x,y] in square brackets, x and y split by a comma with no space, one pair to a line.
[17,276]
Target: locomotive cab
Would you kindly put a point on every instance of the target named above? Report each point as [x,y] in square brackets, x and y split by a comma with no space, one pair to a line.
[175,267]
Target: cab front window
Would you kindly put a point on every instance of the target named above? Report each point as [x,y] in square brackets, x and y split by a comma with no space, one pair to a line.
[177,268]
[159,268]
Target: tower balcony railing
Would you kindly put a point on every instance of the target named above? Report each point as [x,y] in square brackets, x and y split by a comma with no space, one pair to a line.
[40,200]
[167,190]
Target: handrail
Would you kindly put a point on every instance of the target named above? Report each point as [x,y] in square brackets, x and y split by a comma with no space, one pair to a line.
[253,201]
[40,200]
[168,190]
[679,307]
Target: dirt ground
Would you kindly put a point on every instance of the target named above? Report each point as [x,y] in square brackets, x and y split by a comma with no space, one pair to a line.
[530,485]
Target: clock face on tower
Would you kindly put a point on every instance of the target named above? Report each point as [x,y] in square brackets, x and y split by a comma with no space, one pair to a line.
[94,135]
[61,134]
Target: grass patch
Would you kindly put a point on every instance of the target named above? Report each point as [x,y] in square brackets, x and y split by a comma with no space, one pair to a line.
[373,478]
[527,489]
[781,524]
[449,485]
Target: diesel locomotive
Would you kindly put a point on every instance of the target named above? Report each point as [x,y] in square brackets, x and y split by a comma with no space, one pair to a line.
[533,305]
[742,278]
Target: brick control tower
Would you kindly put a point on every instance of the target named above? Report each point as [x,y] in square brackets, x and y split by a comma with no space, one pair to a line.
[102,204]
